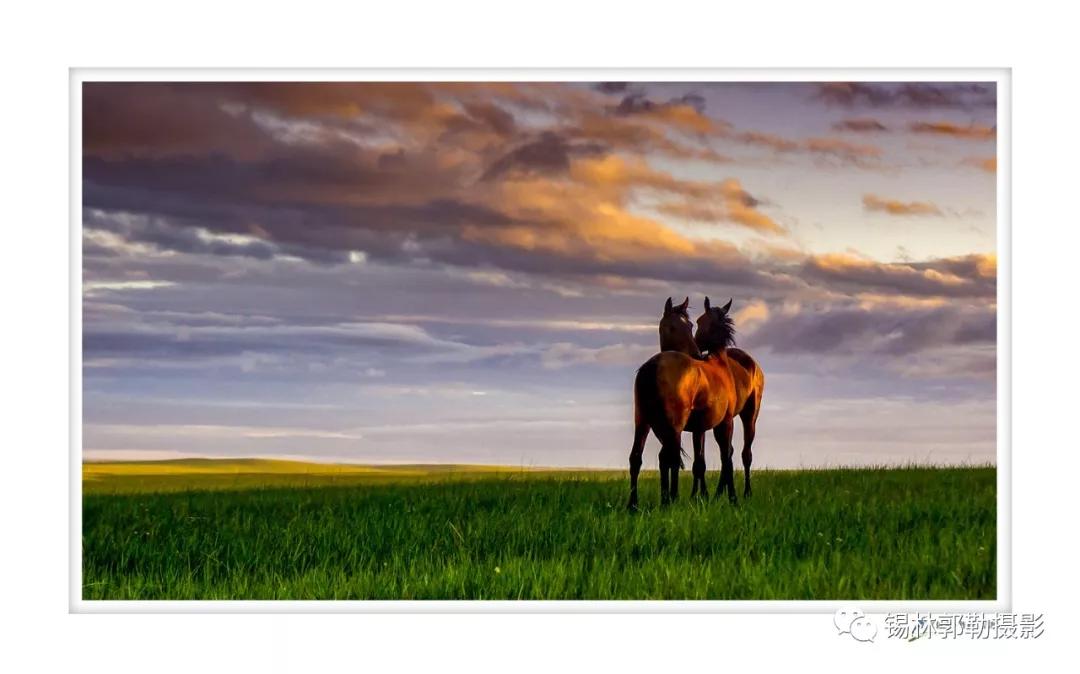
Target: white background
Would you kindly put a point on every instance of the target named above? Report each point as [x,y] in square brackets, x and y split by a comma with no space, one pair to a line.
[41,42]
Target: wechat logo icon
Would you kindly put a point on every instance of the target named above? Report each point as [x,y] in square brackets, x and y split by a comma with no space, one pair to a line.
[853,621]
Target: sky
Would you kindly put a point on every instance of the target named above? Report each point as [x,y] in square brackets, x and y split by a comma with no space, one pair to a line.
[472,272]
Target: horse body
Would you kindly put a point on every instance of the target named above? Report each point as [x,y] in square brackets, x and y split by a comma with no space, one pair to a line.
[676,392]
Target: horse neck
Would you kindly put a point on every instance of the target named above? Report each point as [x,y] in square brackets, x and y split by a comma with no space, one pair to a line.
[687,345]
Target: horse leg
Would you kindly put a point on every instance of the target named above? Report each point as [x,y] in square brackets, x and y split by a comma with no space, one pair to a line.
[700,488]
[749,423]
[670,461]
[675,464]
[641,433]
[731,468]
[722,433]
[665,486]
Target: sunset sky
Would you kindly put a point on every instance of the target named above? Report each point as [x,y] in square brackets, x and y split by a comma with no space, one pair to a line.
[471,273]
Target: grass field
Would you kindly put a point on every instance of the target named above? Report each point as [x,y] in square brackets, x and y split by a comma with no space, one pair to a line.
[282,530]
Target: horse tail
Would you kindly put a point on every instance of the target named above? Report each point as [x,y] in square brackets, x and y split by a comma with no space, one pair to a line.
[648,404]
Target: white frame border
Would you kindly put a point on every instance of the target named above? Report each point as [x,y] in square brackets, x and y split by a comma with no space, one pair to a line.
[1001,76]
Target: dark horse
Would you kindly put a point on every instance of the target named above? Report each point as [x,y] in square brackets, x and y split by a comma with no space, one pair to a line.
[674,392]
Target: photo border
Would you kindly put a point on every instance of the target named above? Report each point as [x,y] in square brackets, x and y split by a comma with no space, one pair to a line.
[1000,76]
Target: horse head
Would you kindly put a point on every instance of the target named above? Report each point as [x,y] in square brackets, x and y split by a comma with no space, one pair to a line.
[676,330]
[715,329]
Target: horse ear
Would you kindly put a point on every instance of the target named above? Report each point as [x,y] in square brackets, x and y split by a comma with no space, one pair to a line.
[707,306]
[667,306]
[727,306]
[682,307]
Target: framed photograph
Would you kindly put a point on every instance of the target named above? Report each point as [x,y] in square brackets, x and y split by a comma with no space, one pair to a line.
[563,340]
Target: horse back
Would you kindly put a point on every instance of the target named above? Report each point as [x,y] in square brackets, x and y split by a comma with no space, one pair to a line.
[748,376]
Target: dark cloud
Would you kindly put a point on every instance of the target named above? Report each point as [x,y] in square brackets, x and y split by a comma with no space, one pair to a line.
[161,341]
[860,125]
[612,87]
[500,121]
[886,330]
[128,119]
[639,103]
[452,178]
[163,235]
[958,95]
[548,154]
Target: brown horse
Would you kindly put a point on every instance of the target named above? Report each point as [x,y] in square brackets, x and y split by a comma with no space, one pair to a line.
[677,334]
[716,332]
[674,392]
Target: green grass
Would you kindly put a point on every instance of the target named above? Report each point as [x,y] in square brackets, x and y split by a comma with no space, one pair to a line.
[245,530]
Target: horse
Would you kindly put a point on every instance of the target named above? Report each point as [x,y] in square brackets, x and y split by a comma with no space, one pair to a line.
[677,334]
[715,330]
[674,392]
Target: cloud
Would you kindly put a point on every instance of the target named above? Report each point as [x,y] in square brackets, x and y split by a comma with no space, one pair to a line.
[988,164]
[540,186]
[353,246]
[881,331]
[970,132]
[751,315]
[838,149]
[164,341]
[612,87]
[842,149]
[860,125]
[872,202]
[966,276]
[92,288]
[919,95]
[563,355]
[409,171]
[730,203]
[686,112]
[550,153]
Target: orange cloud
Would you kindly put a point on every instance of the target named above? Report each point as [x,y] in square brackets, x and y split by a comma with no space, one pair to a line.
[724,201]
[840,147]
[872,202]
[967,276]
[456,173]
[988,164]
[972,132]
